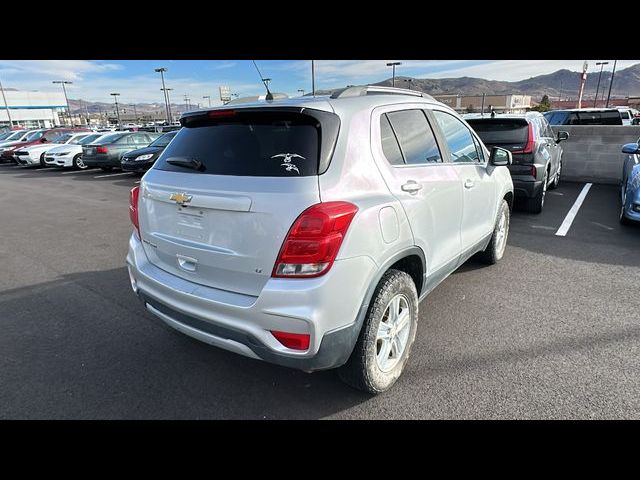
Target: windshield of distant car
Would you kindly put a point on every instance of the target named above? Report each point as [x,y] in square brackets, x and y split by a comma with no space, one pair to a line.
[4,135]
[61,138]
[75,139]
[34,135]
[114,137]
[15,135]
[164,140]
[88,139]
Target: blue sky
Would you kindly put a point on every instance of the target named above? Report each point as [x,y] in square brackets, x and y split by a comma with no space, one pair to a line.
[136,80]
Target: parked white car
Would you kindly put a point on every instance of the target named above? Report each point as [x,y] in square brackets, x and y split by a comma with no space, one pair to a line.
[34,154]
[70,154]
[627,114]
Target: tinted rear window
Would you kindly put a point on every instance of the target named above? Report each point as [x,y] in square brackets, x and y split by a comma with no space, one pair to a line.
[106,139]
[501,132]
[276,144]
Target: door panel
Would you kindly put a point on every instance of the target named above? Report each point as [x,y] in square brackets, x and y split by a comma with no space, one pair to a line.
[430,191]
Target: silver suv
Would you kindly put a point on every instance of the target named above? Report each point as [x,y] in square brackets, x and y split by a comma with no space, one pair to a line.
[305,231]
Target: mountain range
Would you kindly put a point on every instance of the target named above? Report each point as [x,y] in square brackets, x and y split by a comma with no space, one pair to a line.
[563,83]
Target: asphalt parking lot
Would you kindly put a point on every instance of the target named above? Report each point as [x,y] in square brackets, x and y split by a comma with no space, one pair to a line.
[552,331]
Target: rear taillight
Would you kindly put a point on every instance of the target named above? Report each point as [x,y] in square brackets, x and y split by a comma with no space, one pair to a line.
[102,150]
[295,341]
[133,208]
[528,148]
[221,113]
[314,239]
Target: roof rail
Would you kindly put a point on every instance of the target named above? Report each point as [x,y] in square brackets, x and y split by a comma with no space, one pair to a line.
[363,90]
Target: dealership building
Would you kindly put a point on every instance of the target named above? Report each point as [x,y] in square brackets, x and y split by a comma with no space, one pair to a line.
[32,109]
[499,103]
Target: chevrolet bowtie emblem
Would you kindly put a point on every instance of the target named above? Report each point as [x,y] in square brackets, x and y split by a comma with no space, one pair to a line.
[180,198]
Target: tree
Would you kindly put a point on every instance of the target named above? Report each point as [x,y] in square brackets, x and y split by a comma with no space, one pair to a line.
[471,109]
[544,105]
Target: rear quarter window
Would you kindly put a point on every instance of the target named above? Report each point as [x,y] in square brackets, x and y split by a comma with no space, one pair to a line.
[261,144]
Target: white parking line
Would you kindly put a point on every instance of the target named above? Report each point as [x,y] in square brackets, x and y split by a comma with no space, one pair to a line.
[568,220]
[113,175]
[80,171]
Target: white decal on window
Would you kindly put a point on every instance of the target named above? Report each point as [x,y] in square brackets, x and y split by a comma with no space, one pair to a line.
[286,161]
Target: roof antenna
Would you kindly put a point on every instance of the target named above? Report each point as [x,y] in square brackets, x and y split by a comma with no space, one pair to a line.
[269,96]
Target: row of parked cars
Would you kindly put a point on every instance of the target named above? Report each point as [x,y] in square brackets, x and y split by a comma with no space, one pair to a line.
[82,148]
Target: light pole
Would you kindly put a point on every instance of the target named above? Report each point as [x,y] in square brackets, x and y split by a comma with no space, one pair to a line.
[161,71]
[615,62]
[408,80]
[602,64]
[313,78]
[115,97]
[393,65]
[64,89]
[208,97]
[301,92]
[166,92]
[6,105]
[135,112]
[186,101]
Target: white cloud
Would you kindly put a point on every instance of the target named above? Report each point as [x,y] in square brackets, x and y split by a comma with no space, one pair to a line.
[55,69]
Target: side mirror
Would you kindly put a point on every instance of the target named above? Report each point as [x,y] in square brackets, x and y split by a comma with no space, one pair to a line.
[562,136]
[631,148]
[500,157]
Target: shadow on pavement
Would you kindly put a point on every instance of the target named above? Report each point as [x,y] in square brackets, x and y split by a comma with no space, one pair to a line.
[83,346]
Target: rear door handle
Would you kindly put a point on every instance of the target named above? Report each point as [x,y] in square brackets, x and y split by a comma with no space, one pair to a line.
[469,183]
[411,186]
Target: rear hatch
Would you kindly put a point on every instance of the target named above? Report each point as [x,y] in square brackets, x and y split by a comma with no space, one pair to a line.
[218,203]
[509,133]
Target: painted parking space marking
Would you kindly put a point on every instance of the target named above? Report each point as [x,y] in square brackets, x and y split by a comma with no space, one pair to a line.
[113,175]
[571,215]
[606,227]
[81,171]
[544,227]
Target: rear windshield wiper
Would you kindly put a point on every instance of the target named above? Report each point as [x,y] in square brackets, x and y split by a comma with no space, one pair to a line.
[186,163]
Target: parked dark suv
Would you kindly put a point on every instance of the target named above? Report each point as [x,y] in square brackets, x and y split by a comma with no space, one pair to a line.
[143,159]
[584,116]
[537,157]
[108,152]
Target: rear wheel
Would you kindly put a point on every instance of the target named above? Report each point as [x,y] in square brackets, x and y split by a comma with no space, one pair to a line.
[535,204]
[78,163]
[495,250]
[387,335]
[106,169]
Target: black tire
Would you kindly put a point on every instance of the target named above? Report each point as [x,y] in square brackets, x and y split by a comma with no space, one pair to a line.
[361,370]
[42,162]
[535,204]
[624,220]
[495,250]
[556,181]
[106,169]
[77,162]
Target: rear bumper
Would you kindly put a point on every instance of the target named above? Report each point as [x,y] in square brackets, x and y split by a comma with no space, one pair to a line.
[326,308]
[95,161]
[524,188]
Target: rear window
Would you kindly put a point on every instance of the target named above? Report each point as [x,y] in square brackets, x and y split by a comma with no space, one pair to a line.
[501,132]
[266,144]
[600,118]
[106,139]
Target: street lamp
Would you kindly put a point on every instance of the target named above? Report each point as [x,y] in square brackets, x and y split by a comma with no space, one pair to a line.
[301,91]
[161,71]
[393,65]
[186,101]
[66,82]
[408,80]
[115,97]
[135,111]
[615,62]
[166,92]
[6,105]
[208,97]
[602,64]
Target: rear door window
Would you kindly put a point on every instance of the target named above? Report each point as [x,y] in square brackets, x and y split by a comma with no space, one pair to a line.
[415,136]
[269,144]
[390,146]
